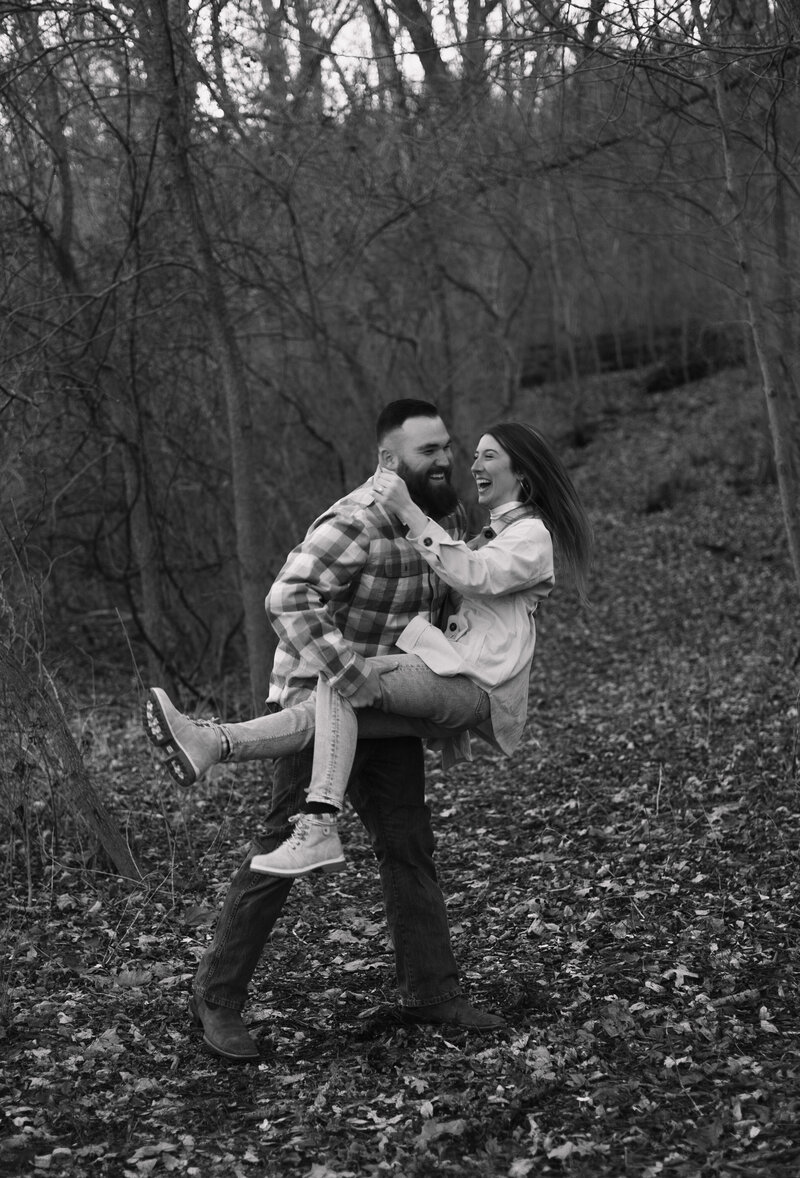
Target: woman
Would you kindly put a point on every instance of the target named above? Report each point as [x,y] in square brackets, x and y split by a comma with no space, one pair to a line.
[472,676]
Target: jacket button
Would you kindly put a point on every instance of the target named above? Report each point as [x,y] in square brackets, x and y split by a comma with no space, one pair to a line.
[452,626]
[427,541]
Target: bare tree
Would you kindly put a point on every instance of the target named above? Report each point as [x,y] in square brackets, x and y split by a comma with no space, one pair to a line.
[172,74]
[29,706]
[765,261]
[54,216]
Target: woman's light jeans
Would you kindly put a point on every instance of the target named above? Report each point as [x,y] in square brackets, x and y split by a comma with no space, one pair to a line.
[414,702]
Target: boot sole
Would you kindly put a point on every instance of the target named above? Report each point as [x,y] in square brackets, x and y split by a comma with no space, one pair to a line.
[159,733]
[328,868]
[455,1023]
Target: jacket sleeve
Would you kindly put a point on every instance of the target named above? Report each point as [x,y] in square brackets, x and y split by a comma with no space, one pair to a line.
[317,574]
[519,557]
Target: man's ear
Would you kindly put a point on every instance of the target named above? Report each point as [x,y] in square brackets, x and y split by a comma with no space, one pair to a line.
[387,459]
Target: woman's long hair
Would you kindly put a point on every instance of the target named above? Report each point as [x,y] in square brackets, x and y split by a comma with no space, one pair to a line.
[546,486]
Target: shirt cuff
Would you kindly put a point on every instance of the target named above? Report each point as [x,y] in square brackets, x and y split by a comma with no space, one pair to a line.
[348,680]
[427,536]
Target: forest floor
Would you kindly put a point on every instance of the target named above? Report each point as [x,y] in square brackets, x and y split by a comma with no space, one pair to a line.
[625,890]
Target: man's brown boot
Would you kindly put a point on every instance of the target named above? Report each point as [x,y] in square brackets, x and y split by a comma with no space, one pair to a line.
[455,1013]
[223,1031]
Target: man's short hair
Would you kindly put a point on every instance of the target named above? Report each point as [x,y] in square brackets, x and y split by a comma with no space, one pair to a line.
[396,413]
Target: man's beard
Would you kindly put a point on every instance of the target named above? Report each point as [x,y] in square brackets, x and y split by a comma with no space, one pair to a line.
[436,499]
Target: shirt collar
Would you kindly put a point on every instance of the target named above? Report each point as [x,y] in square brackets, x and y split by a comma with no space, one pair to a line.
[503,509]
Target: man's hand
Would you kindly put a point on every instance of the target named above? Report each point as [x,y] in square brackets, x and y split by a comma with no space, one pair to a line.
[368,694]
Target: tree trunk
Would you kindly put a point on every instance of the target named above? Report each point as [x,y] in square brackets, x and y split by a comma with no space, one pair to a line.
[389,76]
[169,64]
[151,621]
[274,53]
[123,422]
[29,706]
[769,319]
[417,24]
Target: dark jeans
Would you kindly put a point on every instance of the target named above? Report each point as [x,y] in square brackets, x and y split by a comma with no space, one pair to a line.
[387,790]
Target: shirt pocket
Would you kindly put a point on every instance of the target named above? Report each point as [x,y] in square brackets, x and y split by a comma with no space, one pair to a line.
[392,582]
[470,641]
[395,564]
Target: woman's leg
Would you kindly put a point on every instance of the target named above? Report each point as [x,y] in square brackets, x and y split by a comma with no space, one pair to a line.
[419,703]
[314,843]
[334,747]
[274,735]
[433,705]
[414,702]
[193,746]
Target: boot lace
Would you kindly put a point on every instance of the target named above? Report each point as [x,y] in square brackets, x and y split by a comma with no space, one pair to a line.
[300,828]
[226,747]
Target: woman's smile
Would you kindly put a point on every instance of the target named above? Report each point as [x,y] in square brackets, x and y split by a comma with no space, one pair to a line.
[495,481]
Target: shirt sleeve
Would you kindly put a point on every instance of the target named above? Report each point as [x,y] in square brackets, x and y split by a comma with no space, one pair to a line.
[519,557]
[318,574]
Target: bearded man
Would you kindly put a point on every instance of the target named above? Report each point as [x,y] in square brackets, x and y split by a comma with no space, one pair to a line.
[345,593]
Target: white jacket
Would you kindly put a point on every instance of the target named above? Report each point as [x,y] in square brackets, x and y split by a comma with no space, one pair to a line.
[491,635]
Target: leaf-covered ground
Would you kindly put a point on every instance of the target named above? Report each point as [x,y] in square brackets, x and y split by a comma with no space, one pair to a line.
[625,890]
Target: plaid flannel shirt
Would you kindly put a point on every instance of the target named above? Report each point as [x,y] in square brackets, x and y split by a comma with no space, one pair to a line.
[345,593]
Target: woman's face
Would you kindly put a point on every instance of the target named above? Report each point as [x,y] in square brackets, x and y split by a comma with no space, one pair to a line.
[494,478]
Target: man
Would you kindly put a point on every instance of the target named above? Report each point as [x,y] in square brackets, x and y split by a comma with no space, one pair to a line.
[346,592]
